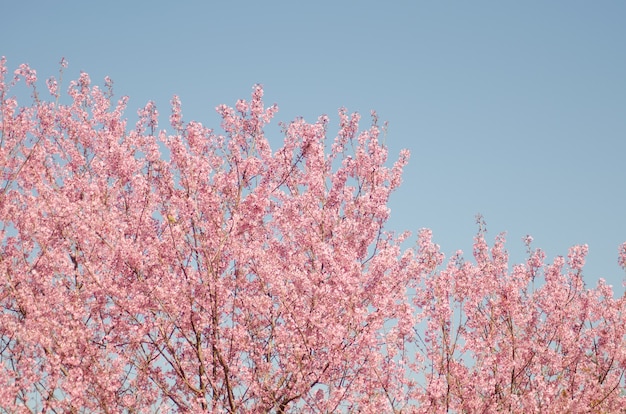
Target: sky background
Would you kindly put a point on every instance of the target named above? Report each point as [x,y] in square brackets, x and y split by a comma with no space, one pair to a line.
[514,110]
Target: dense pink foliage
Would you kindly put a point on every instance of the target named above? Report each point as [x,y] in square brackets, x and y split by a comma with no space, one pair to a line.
[188,271]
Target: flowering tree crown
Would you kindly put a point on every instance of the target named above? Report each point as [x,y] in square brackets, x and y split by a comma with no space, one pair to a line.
[143,271]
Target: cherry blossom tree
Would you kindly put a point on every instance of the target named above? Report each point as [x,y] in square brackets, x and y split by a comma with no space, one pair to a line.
[528,339]
[184,271]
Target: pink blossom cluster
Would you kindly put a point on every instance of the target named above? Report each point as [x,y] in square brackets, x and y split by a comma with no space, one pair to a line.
[147,271]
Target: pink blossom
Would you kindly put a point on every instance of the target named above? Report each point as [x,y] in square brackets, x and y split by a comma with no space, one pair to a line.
[199,272]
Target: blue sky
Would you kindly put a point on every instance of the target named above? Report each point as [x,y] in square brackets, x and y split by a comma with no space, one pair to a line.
[515,110]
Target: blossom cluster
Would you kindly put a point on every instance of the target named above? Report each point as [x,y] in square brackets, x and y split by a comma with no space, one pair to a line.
[147,271]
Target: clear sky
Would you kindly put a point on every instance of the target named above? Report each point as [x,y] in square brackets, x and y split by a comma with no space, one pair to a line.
[515,110]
